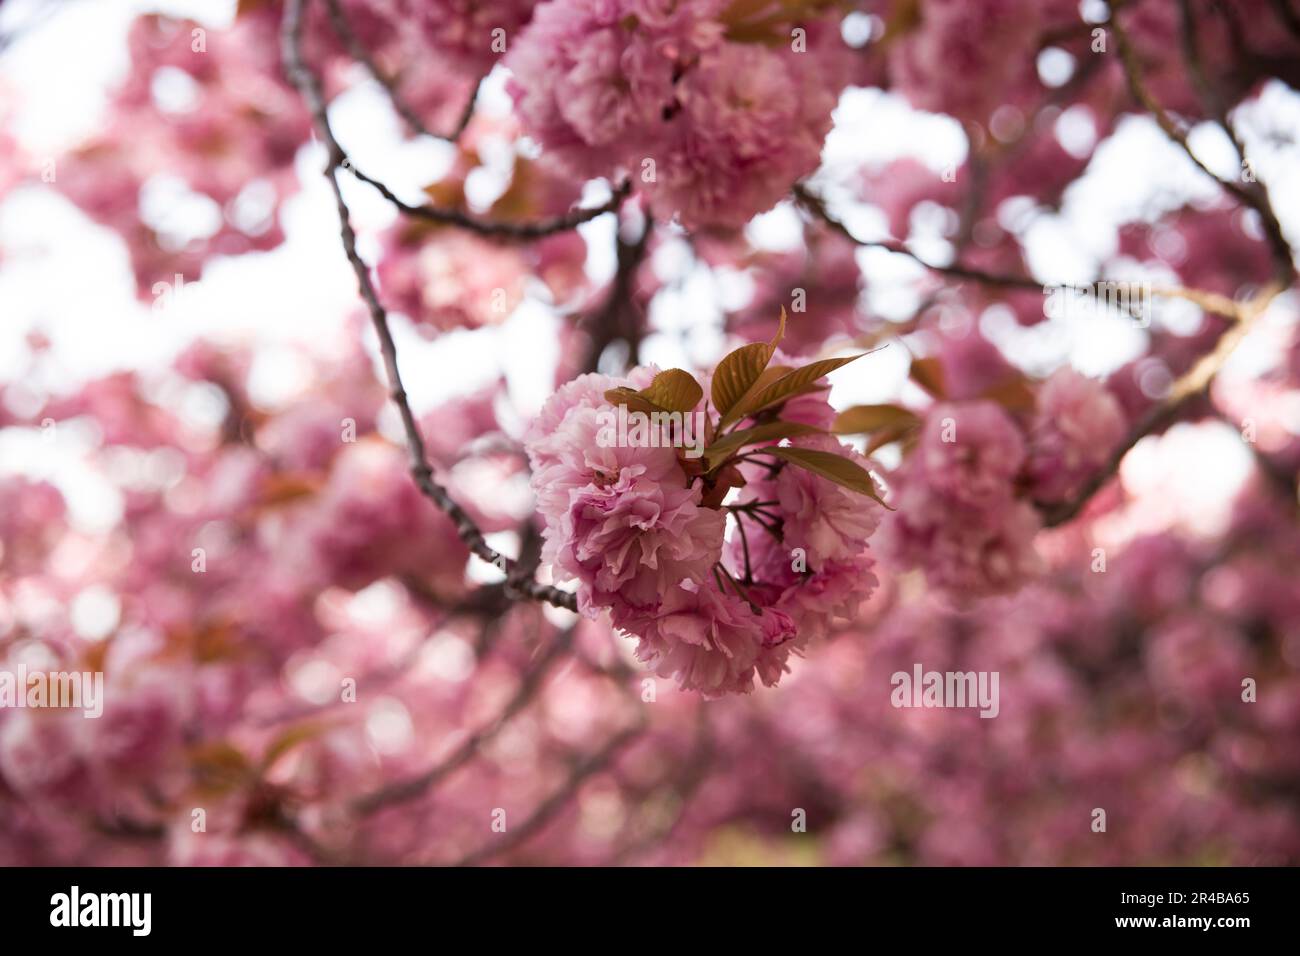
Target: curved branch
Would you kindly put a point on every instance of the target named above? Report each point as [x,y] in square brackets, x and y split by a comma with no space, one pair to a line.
[413,787]
[1190,384]
[554,803]
[356,49]
[517,231]
[817,206]
[308,84]
[1256,199]
[1208,301]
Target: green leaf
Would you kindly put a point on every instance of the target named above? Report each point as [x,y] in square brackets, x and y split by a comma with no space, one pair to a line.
[865,419]
[718,452]
[738,373]
[798,382]
[675,390]
[831,466]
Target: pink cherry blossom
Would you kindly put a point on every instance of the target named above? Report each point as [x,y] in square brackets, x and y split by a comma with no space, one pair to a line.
[1077,426]
[333,609]
[621,521]
[707,640]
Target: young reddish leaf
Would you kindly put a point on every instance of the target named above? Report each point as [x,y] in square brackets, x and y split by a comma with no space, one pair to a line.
[770,375]
[771,431]
[634,400]
[928,373]
[291,738]
[675,390]
[865,419]
[283,488]
[904,433]
[793,383]
[736,373]
[726,479]
[829,465]
[245,7]
[739,372]
[1013,394]
[219,767]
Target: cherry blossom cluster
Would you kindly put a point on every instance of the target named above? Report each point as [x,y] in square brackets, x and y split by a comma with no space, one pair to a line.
[207,672]
[640,525]
[713,114]
[968,490]
[317,653]
[210,113]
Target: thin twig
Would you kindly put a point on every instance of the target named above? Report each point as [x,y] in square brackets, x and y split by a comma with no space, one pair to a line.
[1190,384]
[412,787]
[744,544]
[552,805]
[499,229]
[1197,379]
[817,206]
[357,50]
[1256,199]
[308,84]
[616,318]
[1209,301]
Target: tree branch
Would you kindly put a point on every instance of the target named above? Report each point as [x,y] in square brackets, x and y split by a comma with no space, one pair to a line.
[1208,301]
[413,787]
[343,30]
[1197,379]
[1189,385]
[1256,199]
[615,319]
[817,206]
[308,85]
[515,231]
[555,802]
